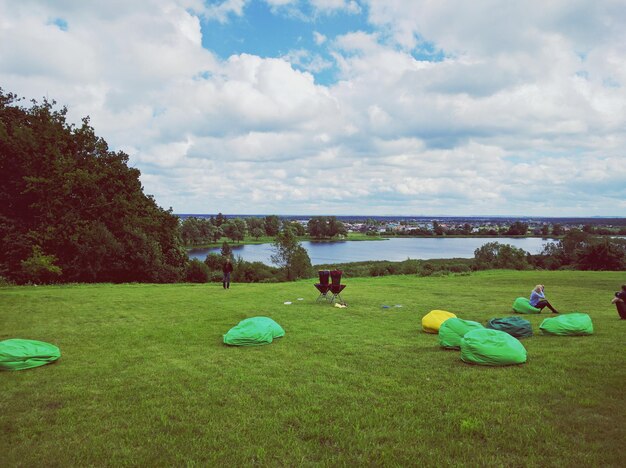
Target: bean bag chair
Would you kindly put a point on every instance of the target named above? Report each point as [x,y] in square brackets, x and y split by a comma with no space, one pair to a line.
[521,305]
[453,329]
[433,320]
[19,354]
[254,331]
[514,326]
[567,324]
[488,347]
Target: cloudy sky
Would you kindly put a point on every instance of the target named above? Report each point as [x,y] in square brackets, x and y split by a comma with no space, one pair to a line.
[375,107]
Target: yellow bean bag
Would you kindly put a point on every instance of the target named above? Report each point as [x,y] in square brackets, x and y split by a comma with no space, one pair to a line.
[433,320]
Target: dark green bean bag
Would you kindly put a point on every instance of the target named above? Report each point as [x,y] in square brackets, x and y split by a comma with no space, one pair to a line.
[514,326]
[18,354]
[254,331]
[453,330]
[567,324]
[491,348]
[521,305]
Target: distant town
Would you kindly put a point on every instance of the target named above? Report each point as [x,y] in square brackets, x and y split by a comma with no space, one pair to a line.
[487,226]
[400,225]
[453,225]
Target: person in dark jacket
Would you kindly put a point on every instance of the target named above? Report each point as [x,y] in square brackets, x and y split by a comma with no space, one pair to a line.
[620,302]
[227,269]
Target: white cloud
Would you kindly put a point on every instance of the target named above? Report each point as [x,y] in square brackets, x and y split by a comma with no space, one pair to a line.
[306,60]
[279,3]
[298,9]
[222,11]
[350,6]
[319,38]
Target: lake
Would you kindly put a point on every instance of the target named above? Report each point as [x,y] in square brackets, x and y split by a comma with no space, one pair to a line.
[395,249]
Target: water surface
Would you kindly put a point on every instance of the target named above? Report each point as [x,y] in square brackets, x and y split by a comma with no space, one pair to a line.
[395,249]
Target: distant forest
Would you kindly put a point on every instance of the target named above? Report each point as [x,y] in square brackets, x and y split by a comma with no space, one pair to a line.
[566,221]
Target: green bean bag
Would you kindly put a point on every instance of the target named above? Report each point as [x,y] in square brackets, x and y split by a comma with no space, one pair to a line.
[431,322]
[514,326]
[521,305]
[18,354]
[567,324]
[491,348]
[453,329]
[253,331]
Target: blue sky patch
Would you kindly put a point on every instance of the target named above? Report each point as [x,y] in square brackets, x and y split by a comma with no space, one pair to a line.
[60,23]
[279,32]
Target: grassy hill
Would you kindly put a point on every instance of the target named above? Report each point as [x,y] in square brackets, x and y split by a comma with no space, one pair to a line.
[144,378]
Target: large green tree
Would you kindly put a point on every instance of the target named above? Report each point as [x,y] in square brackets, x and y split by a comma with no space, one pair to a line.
[235,229]
[290,255]
[272,225]
[323,226]
[66,198]
[496,255]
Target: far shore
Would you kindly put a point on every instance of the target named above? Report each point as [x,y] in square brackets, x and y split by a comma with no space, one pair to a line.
[353,237]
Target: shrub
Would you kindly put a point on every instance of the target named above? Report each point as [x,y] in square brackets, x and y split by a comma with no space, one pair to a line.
[458,268]
[4,282]
[602,255]
[427,269]
[196,272]
[254,272]
[496,255]
[216,276]
[214,261]
[408,268]
[441,273]
[40,268]
[377,270]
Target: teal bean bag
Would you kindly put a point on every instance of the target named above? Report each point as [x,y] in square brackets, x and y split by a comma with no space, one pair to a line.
[19,354]
[254,331]
[574,324]
[453,330]
[488,347]
[521,305]
[514,326]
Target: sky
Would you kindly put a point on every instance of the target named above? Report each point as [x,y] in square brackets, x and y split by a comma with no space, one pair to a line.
[339,107]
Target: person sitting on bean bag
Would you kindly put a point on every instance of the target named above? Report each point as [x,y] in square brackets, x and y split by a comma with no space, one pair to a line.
[620,302]
[538,299]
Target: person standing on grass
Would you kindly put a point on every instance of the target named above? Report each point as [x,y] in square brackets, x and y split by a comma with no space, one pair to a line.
[620,302]
[227,269]
[538,299]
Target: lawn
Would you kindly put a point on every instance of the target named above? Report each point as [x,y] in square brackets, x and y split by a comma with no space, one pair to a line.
[144,378]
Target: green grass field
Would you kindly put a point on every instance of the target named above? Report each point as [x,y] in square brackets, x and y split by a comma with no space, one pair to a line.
[144,378]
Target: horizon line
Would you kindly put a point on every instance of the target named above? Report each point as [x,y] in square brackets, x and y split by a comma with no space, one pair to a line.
[409,216]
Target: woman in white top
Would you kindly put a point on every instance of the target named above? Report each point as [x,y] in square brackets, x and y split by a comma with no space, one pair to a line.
[538,299]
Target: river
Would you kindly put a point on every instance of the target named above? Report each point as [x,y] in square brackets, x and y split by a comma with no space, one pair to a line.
[394,249]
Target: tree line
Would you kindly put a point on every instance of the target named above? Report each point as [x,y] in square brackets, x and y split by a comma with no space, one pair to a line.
[517,228]
[577,250]
[201,231]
